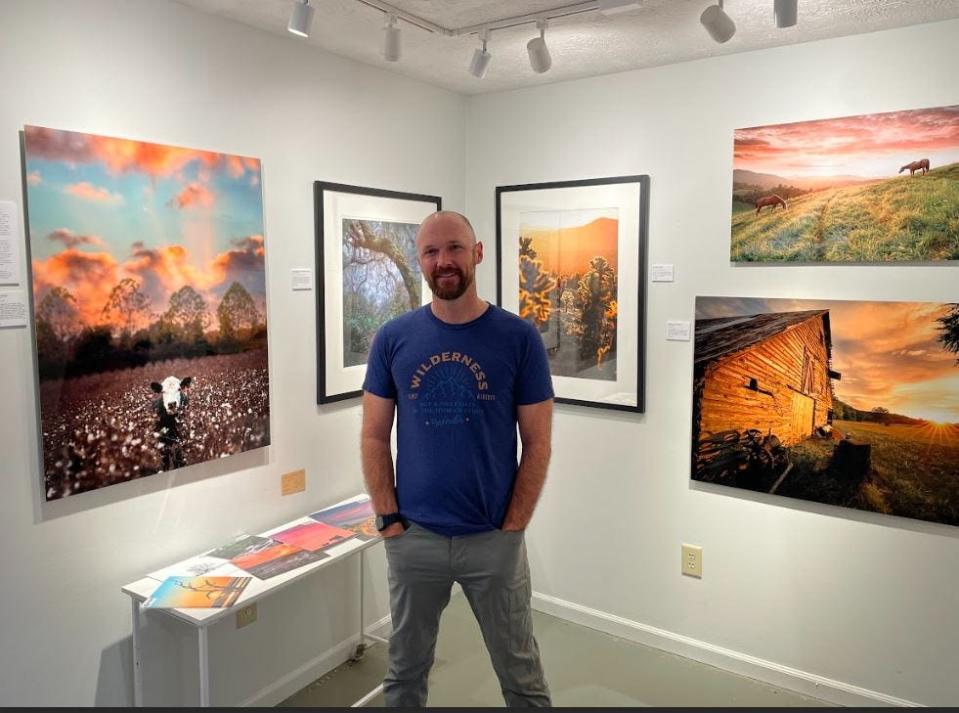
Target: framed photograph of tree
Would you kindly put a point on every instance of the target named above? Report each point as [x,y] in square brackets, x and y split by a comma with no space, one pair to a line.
[571,259]
[367,274]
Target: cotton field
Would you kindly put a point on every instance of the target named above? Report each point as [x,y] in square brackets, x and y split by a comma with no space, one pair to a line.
[106,428]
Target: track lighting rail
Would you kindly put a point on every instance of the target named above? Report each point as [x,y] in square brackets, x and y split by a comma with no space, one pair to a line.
[567,10]
[714,19]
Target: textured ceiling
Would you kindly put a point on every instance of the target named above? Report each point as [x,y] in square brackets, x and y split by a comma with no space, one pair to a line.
[656,33]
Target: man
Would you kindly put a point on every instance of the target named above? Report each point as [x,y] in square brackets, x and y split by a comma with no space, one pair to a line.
[460,374]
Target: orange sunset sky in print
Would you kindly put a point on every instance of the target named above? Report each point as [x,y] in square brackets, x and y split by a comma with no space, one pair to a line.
[888,353]
[565,241]
[870,145]
[103,209]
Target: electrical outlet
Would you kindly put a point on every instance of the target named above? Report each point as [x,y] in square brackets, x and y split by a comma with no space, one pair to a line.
[246,616]
[294,482]
[692,560]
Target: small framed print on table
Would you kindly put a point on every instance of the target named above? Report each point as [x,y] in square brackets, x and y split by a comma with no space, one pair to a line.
[571,259]
[367,274]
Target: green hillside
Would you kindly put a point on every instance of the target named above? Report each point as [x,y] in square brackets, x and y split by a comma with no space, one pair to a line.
[907,218]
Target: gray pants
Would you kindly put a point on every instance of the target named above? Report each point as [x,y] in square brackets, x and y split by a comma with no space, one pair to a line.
[493,571]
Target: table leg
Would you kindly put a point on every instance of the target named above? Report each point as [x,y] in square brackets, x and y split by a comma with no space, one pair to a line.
[363,637]
[204,667]
[137,671]
[361,644]
[362,597]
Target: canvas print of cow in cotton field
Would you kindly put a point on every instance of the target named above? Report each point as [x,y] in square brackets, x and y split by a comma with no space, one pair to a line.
[871,188]
[149,297]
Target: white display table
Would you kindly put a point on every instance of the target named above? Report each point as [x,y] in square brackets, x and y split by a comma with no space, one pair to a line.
[201,619]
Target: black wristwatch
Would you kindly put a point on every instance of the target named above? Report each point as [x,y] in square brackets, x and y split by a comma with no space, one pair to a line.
[384,521]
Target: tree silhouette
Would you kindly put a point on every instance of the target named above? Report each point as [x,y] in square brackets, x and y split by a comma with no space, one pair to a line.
[126,307]
[950,329]
[58,314]
[220,595]
[186,316]
[237,313]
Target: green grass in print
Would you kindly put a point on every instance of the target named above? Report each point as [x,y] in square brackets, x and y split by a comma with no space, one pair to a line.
[907,218]
[915,467]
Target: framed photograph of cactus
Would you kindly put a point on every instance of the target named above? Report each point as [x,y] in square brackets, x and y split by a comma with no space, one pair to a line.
[367,274]
[571,260]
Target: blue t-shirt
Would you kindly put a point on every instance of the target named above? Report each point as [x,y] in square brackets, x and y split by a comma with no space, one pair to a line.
[456,388]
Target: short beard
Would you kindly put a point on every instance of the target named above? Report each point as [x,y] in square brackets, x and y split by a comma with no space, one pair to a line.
[449,293]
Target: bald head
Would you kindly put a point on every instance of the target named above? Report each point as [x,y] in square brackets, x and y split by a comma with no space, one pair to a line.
[447,222]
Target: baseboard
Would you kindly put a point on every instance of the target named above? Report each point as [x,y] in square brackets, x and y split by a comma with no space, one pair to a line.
[802,682]
[313,669]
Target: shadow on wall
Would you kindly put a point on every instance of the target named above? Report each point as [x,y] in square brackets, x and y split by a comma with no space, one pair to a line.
[115,679]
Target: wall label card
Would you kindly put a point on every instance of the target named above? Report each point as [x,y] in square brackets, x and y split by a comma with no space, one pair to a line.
[9,250]
[301,278]
[661,273]
[678,331]
[13,309]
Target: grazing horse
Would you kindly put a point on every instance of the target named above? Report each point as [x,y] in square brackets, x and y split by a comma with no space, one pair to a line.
[168,408]
[771,200]
[920,165]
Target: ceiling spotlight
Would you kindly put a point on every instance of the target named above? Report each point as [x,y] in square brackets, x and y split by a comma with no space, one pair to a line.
[617,7]
[481,58]
[391,40]
[718,24]
[301,18]
[786,12]
[539,58]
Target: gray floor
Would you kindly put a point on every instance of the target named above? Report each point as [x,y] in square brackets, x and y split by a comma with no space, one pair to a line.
[584,667]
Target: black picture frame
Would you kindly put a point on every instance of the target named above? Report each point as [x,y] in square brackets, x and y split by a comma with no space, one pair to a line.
[337,384]
[566,195]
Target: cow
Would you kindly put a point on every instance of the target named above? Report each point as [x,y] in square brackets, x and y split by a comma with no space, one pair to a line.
[920,165]
[168,407]
[770,200]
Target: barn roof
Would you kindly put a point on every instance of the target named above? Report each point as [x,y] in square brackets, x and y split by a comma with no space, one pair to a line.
[720,337]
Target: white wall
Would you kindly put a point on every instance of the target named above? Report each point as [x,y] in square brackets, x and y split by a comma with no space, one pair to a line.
[162,72]
[865,600]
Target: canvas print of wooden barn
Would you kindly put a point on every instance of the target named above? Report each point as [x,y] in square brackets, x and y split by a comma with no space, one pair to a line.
[848,403]
[767,371]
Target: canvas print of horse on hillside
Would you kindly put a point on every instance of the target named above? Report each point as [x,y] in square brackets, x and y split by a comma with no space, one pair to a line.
[872,188]
[149,291]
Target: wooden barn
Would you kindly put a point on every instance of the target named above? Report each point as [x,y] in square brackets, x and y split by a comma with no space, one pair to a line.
[771,372]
